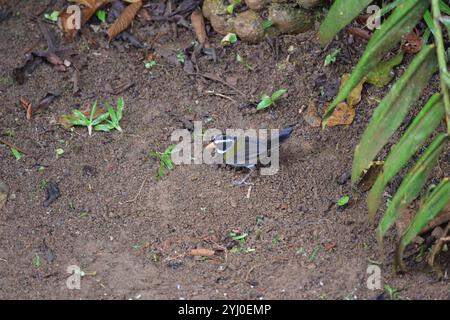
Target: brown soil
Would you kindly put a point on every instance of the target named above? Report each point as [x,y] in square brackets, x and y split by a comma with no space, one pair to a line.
[138,242]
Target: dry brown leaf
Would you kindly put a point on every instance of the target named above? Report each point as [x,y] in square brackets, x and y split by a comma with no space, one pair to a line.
[86,3]
[198,24]
[202,252]
[124,20]
[342,115]
[26,104]
[355,95]
[413,42]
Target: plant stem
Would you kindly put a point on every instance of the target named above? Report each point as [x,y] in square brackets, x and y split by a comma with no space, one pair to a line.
[441,55]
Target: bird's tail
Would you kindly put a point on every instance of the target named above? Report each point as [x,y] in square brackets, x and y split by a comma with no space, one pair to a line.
[284,134]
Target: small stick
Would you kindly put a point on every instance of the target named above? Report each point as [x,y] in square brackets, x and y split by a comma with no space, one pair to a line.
[13,146]
[137,194]
[210,77]
[220,95]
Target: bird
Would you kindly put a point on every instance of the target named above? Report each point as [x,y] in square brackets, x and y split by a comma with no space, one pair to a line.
[229,149]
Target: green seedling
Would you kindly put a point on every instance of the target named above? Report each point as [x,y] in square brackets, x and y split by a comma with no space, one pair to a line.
[267,101]
[232,6]
[267,24]
[114,118]
[52,16]
[101,15]
[79,119]
[391,291]
[43,184]
[343,201]
[331,58]
[59,152]
[230,38]
[241,237]
[37,260]
[181,57]
[149,64]
[313,255]
[165,161]
[16,153]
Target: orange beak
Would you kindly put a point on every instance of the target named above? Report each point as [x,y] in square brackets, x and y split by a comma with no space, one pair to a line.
[210,146]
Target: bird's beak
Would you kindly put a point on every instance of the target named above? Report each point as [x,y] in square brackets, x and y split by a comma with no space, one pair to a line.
[210,146]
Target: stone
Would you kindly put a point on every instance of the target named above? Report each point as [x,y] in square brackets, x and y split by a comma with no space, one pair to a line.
[249,26]
[288,18]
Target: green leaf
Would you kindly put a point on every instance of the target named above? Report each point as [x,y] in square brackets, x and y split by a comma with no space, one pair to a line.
[341,13]
[52,16]
[415,136]
[101,15]
[411,185]
[265,102]
[343,201]
[120,105]
[16,153]
[230,8]
[445,8]
[429,21]
[267,24]
[430,209]
[100,119]
[277,94]
[79,115]
[112,114]
[93,110]
[331,58]
[230,38]
[390,113]
[382,74]
[400,23]
[104,127]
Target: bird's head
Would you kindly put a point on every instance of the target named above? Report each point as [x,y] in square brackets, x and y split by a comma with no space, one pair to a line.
[220,144]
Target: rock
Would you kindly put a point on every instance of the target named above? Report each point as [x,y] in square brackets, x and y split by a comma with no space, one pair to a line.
[311,117]
[308,4]
[288,18]
[257,4]
[249,26]
[216,12]
[4,189]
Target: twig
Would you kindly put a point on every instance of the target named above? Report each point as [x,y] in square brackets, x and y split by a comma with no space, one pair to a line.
[220,95]
[12,146]
[211,77]
[137,194]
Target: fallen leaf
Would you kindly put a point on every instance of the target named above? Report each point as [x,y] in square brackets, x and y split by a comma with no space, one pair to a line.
[198,24]
[355,95]
[360,33]
[27,106]
[202,252]
[124,20]
[342,115]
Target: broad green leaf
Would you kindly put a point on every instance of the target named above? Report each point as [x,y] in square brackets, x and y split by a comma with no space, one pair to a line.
[390,6]
[267,24]
[445,8]
[277,94]
[120,105]
[16,153]
[79,115]
[343,201]
[415,136]
[341,13]
[400,23]
[392,110]
[104,127]
[411,185]
[430,209]
[429,21]
[100,119]
[265,102]
[382,74]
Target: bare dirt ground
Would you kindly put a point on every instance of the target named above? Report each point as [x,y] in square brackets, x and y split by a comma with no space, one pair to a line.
[115,218]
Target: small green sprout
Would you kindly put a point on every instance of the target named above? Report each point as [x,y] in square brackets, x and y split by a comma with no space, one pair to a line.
[331,58]
[230,38]
[241,237]
[181,57]
[149,64]
[267,101]
[16,153]
[59,152]
[232,6]
[267,24]
[52,16]
[343,201]
[391,291]
[37,260]
[165,160]
[240,60]
[313,255]
[114,118]
[101,15]
[79,119]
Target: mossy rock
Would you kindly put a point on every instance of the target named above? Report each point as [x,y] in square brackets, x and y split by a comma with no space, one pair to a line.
[216,12]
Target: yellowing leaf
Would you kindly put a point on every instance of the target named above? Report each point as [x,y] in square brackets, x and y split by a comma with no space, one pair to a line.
[342,115]
[355,95]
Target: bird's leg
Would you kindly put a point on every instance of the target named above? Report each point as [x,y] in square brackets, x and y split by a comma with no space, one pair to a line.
[244,182]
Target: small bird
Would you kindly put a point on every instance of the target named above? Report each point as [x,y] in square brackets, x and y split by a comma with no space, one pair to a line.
[232,152]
